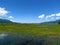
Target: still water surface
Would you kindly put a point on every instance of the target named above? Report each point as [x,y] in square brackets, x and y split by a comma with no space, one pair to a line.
[7,39]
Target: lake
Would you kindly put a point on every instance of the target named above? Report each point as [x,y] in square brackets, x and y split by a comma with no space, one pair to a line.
[8,39]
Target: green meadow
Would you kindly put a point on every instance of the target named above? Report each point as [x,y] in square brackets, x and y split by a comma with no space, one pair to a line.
[31,29]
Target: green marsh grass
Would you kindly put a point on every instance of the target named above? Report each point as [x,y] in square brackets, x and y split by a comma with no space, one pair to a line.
[31,29]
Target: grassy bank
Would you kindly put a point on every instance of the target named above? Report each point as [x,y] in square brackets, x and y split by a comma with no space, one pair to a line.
[31,29]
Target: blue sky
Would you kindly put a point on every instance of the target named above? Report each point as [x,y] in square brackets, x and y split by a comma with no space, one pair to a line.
[30,11]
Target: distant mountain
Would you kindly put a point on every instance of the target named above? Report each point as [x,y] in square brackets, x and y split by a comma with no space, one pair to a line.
[5,21]
[51,22]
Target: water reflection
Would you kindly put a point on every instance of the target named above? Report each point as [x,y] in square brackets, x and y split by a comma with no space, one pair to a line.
[6,39]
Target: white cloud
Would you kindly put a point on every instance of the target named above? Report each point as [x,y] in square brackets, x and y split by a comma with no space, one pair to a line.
[10,17]
[58,14]
[3,12]
[51,16]
[41,16]
[47,17]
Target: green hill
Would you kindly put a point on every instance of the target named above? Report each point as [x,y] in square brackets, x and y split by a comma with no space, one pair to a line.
[5,21]
[52,22]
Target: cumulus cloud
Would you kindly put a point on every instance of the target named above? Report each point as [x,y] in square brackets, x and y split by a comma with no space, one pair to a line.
[41,16]
[3,14]
[50,17]
[47,17]
[10,17]
[58,14]
[3,11]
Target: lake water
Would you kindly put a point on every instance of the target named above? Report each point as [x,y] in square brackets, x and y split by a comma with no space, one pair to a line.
[7,39]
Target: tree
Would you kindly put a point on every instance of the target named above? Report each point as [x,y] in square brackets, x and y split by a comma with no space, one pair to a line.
[58,21]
